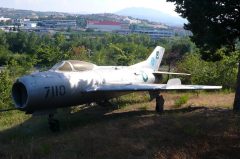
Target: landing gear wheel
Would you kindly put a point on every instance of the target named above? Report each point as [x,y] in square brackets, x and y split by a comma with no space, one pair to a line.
[53,123]
[159,103]
[105,103]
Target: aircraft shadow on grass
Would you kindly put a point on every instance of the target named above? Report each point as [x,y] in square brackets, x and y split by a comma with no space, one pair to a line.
[162,131]
[38,126]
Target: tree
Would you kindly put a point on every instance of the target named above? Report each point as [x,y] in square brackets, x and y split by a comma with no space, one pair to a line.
[31,43]
[5,55]
[3,40]
[214,24]
[48,55]
[222,72]
[79,53]
[176,49]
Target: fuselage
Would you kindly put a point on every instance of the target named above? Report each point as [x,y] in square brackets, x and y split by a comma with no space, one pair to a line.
[52,89]
[68,83]
[72,82]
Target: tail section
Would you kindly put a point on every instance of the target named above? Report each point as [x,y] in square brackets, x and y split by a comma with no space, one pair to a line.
[153,61]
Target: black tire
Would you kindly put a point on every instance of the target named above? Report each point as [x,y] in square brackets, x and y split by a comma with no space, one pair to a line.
[54,125]
[159,104]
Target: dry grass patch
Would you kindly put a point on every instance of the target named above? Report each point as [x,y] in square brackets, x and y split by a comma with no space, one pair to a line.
[209,99]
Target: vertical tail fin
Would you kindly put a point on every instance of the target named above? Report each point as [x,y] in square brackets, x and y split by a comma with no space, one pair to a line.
[153,61]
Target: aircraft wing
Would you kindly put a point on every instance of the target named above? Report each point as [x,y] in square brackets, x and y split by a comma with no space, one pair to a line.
[172,84]
[149,87]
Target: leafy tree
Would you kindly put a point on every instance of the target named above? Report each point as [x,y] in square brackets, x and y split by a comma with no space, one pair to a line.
[32,42]
[17,42]
[117,55]
[3,40]
[214,24]
[59,39]
[176,49]
[19,65]
[49,55]
[79,53]
[5,55]
[99,57]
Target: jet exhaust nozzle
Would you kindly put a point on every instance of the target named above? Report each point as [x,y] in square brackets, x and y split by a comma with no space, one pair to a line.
[19,95]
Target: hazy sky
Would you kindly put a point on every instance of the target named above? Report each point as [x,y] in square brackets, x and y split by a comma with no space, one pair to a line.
[88,6]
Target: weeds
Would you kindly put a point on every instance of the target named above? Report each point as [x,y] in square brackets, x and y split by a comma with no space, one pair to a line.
[129,99]
[10,119]
[45,149]
[192,130]
[181,100]
[143,108]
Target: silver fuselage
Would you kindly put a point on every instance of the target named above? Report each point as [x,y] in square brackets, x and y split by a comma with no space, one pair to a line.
[53,89]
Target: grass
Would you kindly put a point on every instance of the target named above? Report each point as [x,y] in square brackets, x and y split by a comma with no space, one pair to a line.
[143,107]
[11,119]
[204,127]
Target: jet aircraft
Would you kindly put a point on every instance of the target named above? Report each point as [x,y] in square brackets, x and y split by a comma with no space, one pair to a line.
[72,82]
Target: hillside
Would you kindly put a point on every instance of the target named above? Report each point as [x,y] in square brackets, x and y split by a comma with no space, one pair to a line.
[148,17]
[18,13]
[133,131]
[152,15]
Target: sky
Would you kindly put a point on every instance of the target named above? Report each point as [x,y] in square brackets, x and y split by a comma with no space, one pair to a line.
[88,6]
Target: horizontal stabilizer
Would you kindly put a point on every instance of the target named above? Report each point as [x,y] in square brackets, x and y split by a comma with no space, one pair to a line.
[174,82]
[171,73]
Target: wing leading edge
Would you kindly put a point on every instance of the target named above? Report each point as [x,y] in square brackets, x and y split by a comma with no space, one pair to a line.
[149,87]
[172,84]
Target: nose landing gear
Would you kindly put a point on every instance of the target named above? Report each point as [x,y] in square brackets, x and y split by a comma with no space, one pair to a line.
[53,123]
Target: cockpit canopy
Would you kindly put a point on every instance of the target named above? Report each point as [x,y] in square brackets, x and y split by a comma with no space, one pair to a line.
[73,65]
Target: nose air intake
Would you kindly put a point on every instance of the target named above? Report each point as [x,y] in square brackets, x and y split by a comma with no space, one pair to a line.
[20,95]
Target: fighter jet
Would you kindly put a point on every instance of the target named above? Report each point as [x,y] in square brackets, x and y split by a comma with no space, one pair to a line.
[72,82]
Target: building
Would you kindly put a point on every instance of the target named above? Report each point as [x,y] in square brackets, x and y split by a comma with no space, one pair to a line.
[2,19]
[63,24]
[20,22]
[107,26]
[156,34]
[182,32]
[132,21]
[30,24]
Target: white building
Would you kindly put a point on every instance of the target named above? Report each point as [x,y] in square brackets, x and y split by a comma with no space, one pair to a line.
[2,19]
[59,23]
[156,34]
[30,24]
[132,21]
[107,26]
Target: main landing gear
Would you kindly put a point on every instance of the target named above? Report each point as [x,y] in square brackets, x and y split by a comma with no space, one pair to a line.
[105,103]
[53,123]
[159,103]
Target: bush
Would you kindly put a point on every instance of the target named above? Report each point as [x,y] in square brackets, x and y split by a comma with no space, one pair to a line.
[5,90]
[181,100]
[222,72]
